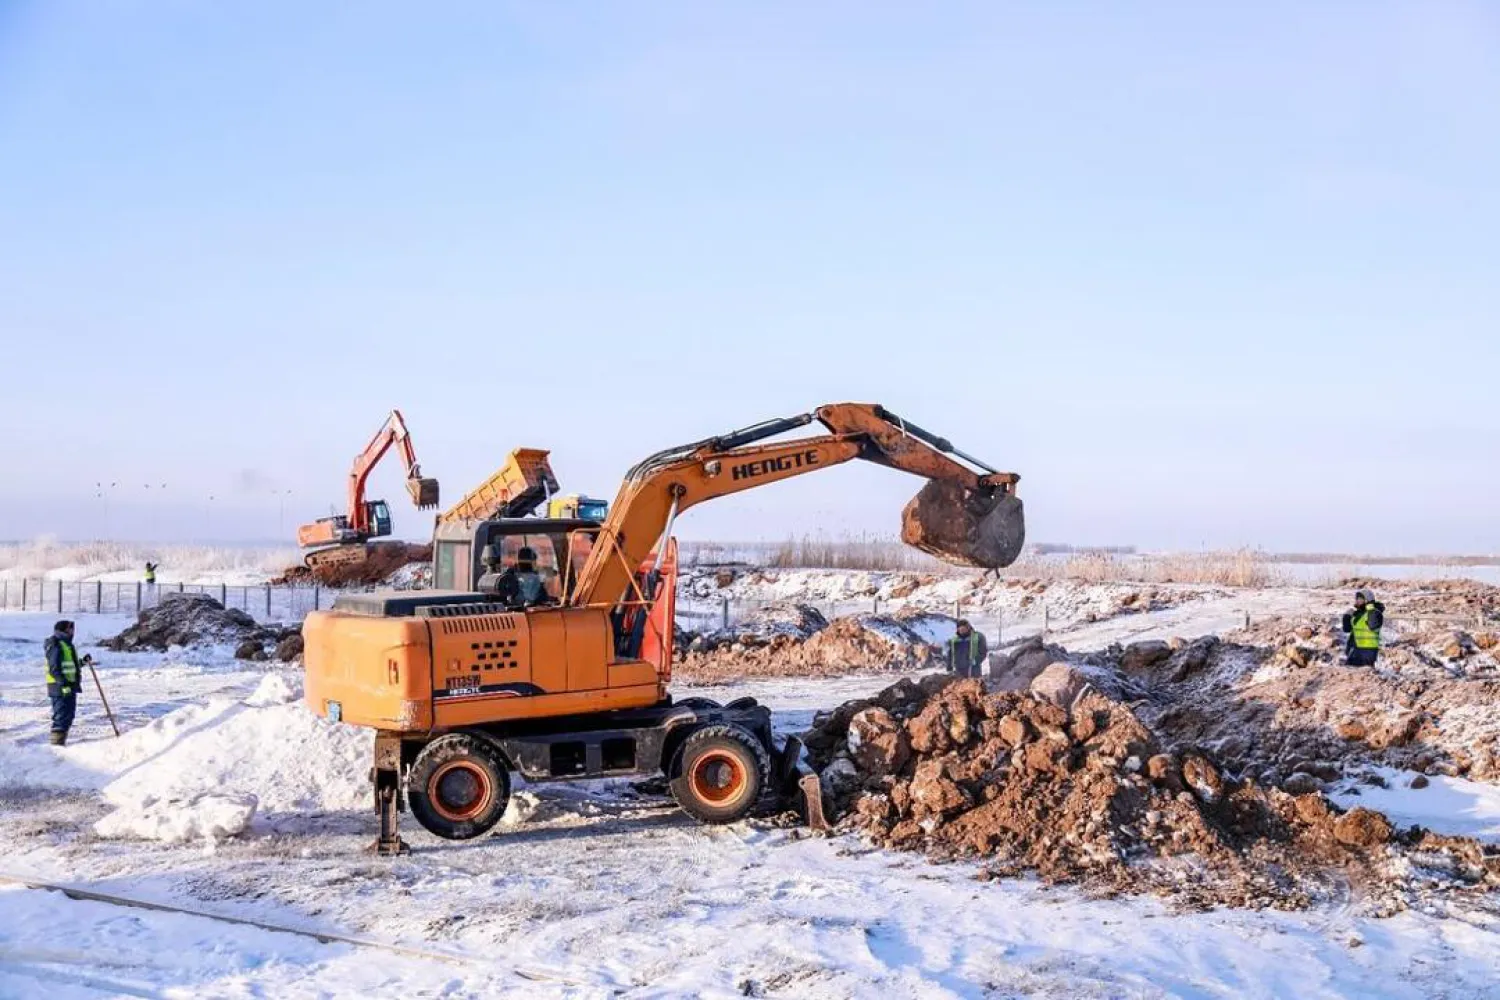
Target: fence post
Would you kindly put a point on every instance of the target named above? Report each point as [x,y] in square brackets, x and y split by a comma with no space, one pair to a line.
[23,593]
[268,602]
[1046,620]
[958,609]
[224,594]
[179,586]
[59,597]
[876,611]
[99,597]
[724,611]
[317,594]
[1247,620]
[999,629]
[5,593]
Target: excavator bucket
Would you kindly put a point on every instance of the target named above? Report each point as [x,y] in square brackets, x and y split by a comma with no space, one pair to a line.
[424,492]
[963,527]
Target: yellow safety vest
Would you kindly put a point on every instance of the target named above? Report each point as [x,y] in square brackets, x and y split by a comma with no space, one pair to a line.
[68,661]
[1365,637]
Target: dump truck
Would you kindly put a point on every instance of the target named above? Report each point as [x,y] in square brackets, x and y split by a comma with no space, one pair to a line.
[341,539]
[465,689]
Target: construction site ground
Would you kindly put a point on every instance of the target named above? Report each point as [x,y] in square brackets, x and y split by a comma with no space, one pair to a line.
[600,889]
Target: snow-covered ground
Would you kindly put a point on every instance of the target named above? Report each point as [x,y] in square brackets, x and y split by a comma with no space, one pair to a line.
[585,890]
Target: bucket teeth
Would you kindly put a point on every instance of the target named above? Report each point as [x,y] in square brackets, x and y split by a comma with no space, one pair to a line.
[424,492]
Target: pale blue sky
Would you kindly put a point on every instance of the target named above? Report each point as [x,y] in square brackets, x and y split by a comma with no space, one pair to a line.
[1202,273]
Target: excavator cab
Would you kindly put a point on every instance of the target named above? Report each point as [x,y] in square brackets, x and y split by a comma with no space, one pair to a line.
[379,514]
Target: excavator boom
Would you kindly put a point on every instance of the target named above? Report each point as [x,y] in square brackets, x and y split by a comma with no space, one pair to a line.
[967,513]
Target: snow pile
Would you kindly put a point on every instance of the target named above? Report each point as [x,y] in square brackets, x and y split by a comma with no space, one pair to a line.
[198,768]
[208,817]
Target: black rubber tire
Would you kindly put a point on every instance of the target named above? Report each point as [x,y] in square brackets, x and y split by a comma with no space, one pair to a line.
[726,753]
[700,704]
[458,787]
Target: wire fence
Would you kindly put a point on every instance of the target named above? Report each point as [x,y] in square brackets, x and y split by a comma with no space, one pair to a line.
[282,603]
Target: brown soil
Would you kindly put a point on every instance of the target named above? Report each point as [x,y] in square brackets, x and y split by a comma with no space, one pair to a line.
[795,640]
[382,559]
[1084,792]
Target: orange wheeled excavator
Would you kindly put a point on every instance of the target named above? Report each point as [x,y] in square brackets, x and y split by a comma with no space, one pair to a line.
[340,540]
[468,684]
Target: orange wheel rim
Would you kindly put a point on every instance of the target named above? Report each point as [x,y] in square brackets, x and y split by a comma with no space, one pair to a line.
[718,777]
[459,790]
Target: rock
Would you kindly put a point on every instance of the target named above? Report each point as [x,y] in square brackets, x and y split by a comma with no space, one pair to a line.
[1418,781]
[1295,655]
[723,578]
[1301,783]
[1312,808]
[839,778]
[877,742]
[250,649]
[1014,730]
[1202,777]
[1191,658]
[1486,640]
[1397,731]
[933,793]
[1352,730]
[1142,656]
[1304,633]
[1058,684]
[1160,768]
[289,648]
[1361,827]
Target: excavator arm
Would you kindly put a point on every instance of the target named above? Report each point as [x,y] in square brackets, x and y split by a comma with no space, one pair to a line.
[424,492]
[962,515]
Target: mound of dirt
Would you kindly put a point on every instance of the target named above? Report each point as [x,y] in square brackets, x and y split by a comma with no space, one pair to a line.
[196,620]
[796,640]
[382,561]
[1068,783]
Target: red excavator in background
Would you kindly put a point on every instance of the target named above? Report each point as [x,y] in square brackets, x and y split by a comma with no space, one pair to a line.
[340,540]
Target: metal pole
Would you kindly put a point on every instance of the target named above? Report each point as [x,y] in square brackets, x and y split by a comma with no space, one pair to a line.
[317,594]
[224,594]
[999,629]
[138,597]
[876,610]
[59,596]
[958,609]
[1247,619]
[268,602]
[1046,620]
[724,610]
[102,700]
[99,597]
[23,593]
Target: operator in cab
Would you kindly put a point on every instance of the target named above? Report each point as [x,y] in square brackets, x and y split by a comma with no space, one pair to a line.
[521,586]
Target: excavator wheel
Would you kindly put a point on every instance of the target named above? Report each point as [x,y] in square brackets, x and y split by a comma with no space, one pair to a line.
[458,786]
[701,704]
[719,774]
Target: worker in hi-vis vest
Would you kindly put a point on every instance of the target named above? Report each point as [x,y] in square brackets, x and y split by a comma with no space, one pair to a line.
[151,574]
[967,651]
[1363,625]
[63,664]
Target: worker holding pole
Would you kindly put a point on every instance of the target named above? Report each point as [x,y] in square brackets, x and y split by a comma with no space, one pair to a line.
[62,679]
